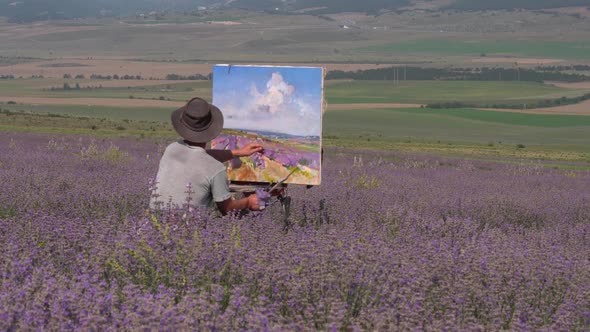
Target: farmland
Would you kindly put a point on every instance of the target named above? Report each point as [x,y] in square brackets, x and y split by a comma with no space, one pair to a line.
[532,49]
[337,92]
[380,113]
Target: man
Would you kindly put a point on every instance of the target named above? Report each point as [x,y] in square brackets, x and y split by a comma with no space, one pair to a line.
[189,173]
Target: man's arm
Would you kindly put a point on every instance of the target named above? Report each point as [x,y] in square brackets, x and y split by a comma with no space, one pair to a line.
[227,155]
[250,202]
[222,197]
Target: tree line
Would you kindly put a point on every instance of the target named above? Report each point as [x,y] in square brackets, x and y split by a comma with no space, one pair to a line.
[564,68]
[195,77]
[466,74]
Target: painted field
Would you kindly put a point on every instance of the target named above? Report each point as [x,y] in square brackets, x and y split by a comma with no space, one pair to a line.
[526,48]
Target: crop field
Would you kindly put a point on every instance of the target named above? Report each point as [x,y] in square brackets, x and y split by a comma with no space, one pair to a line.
[337,92]
[351,92]
[459,132]
[377,112]
[551,132]
[541,49]
[443,243]
[122,66]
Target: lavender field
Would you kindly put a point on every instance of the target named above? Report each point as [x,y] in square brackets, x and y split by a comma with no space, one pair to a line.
[388,242]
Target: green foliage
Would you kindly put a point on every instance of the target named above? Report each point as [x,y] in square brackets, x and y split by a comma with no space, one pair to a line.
[113,153]
[7,212]
[529,105]
[510,118]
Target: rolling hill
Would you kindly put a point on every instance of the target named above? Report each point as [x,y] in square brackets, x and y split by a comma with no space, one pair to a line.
[37,10]
[515,4]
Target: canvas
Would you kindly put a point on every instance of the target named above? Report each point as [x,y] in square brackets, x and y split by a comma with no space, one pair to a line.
[278,107]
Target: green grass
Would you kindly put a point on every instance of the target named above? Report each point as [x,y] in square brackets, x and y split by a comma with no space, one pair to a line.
[409,130]
[115,113]
[557,132]
[180,91]
[545,49]
[64,124]
[350,92]
[459,126]
[509,118]
[417,127]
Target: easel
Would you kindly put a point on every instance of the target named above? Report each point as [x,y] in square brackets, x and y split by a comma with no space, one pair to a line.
[248,188]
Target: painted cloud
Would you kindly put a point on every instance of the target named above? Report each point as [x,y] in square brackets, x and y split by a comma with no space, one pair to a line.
[285,100]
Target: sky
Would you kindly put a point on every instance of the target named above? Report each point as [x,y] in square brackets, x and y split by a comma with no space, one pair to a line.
[285,100]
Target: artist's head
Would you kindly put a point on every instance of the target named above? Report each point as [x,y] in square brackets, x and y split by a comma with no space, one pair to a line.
[198,121]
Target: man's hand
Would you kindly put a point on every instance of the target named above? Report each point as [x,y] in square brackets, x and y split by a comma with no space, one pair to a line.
[253,203]
[250,202]
[278,191]
[248,150]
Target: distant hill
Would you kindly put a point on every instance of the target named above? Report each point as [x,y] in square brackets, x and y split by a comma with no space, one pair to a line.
[322,6]
[35,10]
[515,4]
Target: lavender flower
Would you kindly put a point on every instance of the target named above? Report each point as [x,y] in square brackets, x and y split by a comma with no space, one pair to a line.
[432,244]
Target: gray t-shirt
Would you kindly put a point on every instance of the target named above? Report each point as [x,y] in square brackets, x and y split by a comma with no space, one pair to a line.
[182,164]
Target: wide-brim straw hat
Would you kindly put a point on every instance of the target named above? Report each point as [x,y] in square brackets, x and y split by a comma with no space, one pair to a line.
[198,121]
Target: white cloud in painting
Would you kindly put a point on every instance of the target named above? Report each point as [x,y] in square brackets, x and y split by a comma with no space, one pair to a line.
[276,97]
[277,108]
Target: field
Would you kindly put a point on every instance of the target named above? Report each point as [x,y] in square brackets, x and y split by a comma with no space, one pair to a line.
[368,113]
[295,39]
[426,219]
[37,91]
[128,66]
[545,49]
[425,92]
[444,243]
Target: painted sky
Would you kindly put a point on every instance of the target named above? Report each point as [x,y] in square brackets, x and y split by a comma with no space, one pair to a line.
[285,100]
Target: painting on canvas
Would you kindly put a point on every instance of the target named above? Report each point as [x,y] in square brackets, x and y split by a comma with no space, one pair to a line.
[279,108]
